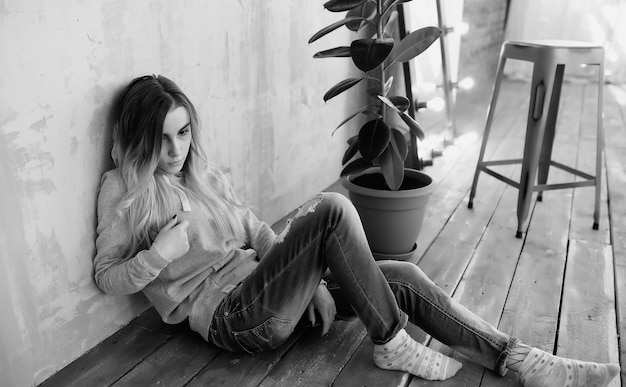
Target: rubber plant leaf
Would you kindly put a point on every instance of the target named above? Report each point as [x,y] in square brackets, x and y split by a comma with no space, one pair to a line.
[341,87]
[337,52]
[353,147]
[330,28]
[398,144]
[413,44]
[342,5]
[390,103]
[367,11]
[367,54]
[415,128]
[364,109]
[402,103]
[392,168]
[374,137]
[356,166]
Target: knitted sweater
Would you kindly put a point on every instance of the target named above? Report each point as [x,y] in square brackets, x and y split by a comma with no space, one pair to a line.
[189,287]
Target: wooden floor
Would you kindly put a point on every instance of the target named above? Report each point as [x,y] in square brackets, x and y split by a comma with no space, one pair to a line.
[560,288]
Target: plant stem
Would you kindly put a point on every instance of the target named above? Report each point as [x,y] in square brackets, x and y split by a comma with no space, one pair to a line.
[380,30]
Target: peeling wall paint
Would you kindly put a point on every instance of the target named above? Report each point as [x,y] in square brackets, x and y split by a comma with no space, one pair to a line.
[247,67]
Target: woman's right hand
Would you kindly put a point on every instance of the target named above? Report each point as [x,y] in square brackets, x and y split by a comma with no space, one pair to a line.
[172,241]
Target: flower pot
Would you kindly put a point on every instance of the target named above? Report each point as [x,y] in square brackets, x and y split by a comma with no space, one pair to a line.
[392,219]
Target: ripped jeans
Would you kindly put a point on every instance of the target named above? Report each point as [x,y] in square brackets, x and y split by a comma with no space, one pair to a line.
[262,311]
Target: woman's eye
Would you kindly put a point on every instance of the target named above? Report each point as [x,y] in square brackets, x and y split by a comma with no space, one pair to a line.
[184,132]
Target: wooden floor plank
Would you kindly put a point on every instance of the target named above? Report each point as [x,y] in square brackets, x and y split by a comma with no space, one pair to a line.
[615,125]
[242,369]
[173,364]
[587,329]
[109,360]
[583,207]
[315,360]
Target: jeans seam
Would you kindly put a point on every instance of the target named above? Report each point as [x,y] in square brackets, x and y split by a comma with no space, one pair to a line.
[434,305]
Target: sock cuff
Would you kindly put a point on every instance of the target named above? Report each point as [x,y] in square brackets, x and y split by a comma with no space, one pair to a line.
[399,339]
[533,358]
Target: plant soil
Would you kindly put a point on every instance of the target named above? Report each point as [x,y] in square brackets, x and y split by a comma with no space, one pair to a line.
[377,181]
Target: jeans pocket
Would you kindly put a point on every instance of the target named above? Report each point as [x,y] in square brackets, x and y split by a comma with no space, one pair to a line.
[266,336]
[221,340]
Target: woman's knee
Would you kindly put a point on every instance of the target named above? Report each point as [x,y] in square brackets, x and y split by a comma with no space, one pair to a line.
[402,272]
[336,199]
[337,204]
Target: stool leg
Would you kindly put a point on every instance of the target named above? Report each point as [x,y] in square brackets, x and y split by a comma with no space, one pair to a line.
[548,137]
[542,84]
[490,114]
[599,148]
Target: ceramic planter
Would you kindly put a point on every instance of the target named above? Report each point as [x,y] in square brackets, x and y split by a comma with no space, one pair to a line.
[392,219]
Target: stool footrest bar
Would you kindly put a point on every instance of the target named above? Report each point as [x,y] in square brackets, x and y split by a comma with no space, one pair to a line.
[501,162]
[574,184]
[500,176]
[572,170]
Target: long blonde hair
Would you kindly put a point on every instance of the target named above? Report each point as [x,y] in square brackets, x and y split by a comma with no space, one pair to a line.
[150,201]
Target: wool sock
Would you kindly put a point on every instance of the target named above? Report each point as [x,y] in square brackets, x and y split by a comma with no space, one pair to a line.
[541,369]
[402,353]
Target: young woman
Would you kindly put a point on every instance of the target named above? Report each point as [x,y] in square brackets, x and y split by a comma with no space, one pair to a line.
[170,225]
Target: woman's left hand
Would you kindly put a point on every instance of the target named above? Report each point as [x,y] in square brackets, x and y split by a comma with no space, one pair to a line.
[324,303]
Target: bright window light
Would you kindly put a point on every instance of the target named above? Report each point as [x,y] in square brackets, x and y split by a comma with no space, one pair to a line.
[466,83]
[436,104]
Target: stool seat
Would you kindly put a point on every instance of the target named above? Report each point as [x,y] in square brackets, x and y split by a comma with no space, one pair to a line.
[549,58]
[568,52]
[553,43]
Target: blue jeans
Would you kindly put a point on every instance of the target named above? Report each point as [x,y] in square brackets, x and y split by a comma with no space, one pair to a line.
[262,311]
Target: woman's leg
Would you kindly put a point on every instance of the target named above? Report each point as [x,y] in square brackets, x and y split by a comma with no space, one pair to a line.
[430,308]
[326,233]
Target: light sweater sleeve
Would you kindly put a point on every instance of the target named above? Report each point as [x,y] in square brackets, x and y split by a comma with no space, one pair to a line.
[114,274]
[261,237]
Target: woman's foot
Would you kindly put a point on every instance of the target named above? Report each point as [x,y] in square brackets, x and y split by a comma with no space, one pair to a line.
[541,369]
[402,353]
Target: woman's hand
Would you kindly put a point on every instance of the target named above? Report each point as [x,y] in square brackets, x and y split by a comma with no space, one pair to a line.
[324,303]
[171,241]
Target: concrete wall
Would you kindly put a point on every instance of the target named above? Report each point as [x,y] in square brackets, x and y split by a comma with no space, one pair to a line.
[247,66]
[480,47]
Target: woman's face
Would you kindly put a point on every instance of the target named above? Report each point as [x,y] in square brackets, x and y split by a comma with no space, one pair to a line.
[176,140]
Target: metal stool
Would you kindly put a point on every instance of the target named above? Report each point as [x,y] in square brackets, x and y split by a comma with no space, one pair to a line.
[549,58]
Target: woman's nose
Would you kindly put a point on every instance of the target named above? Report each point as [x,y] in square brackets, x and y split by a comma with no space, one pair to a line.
[174,148]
